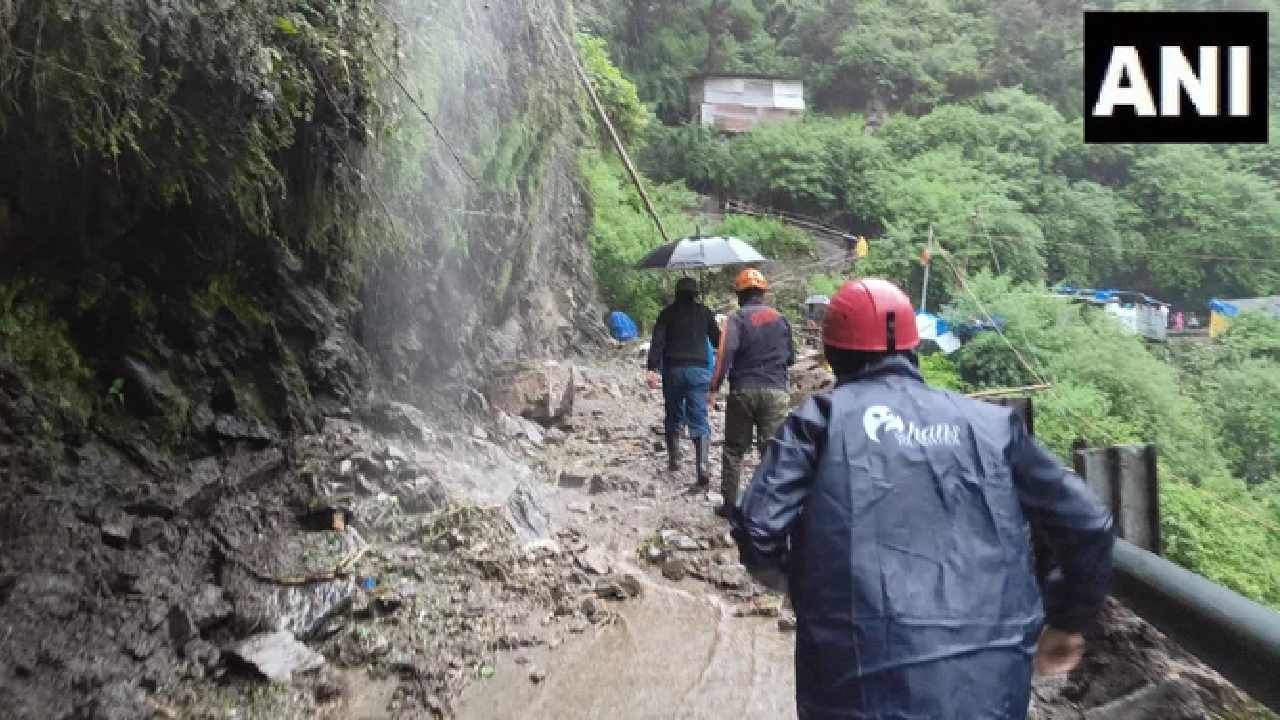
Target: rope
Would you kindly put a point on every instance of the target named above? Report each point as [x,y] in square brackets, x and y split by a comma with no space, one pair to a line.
[426,116]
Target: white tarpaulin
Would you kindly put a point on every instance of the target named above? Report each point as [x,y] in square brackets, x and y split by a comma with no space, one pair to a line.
[931,327]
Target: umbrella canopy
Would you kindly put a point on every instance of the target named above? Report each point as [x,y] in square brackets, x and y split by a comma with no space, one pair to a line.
[702,252]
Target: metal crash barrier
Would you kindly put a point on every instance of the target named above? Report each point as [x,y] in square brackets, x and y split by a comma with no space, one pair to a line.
[1232,634]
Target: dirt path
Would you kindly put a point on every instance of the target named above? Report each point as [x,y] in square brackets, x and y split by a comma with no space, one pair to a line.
[686,648]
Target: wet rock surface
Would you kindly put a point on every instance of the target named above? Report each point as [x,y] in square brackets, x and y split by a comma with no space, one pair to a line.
[133,600]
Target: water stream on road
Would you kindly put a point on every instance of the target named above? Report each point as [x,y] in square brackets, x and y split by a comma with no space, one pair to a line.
[671,654]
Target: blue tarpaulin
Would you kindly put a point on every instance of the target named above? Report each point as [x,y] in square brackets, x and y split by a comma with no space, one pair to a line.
[1223,308]
[622,327]
[966,331]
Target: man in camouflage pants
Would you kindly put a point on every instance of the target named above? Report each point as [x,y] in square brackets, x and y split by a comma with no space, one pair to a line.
[755,351]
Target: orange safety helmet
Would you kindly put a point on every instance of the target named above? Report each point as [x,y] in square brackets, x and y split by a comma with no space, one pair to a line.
[750,279]
[870,315]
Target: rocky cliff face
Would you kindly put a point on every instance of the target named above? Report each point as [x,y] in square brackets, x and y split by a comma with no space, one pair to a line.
[156,378]
[499,266]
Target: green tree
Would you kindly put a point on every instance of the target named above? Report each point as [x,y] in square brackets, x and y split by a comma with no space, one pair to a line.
[1245,398]
[772,238]
[1088,231]
[1196,208]
[617,94]
[857,53]
[622,233]
[969,209]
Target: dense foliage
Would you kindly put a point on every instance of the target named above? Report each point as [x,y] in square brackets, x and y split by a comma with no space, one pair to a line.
[868,54]
[622,233]
[1006,185]
[1211,414]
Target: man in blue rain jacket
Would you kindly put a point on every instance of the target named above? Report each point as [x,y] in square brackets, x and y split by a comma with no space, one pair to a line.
[897,515]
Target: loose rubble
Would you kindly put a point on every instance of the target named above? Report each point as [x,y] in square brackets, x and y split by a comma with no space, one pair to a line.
[383,553]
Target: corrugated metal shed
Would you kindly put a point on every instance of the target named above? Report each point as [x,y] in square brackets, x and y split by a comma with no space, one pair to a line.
[736,103]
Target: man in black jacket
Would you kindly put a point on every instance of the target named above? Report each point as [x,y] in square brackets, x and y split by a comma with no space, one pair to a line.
[682,337]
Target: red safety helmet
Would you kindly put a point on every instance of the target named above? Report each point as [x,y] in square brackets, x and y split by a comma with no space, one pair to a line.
[871,315]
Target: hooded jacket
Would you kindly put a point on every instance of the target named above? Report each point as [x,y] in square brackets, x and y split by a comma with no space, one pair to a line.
[900,515]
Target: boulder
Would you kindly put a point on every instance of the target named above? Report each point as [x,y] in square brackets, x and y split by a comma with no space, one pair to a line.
[208,607]
[573,479]
[674,570]
[542,392]
[397,418]
[517,428]
[277,655]
[686,543]
[117,530]
[592,608]
[728,576]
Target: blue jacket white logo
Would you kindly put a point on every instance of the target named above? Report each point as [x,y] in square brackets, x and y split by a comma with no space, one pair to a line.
[880,417]
[899,513]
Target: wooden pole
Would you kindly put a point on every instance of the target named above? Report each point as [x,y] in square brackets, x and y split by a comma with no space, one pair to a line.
[995,392]
[924,292]
[613,134]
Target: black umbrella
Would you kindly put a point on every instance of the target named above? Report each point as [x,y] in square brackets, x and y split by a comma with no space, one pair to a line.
[702,252]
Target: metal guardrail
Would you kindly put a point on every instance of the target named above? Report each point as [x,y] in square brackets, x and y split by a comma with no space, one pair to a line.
[1225,630]
[1232,634]
[745,208]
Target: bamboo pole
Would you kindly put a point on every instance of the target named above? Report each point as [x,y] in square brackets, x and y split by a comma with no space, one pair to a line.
[613,134]
[1009,391]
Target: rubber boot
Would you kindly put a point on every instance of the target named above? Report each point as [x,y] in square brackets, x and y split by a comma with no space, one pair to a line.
[700,453]
[673,451]
[729,490]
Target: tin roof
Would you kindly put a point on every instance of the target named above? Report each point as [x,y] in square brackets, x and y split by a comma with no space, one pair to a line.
[743,76]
